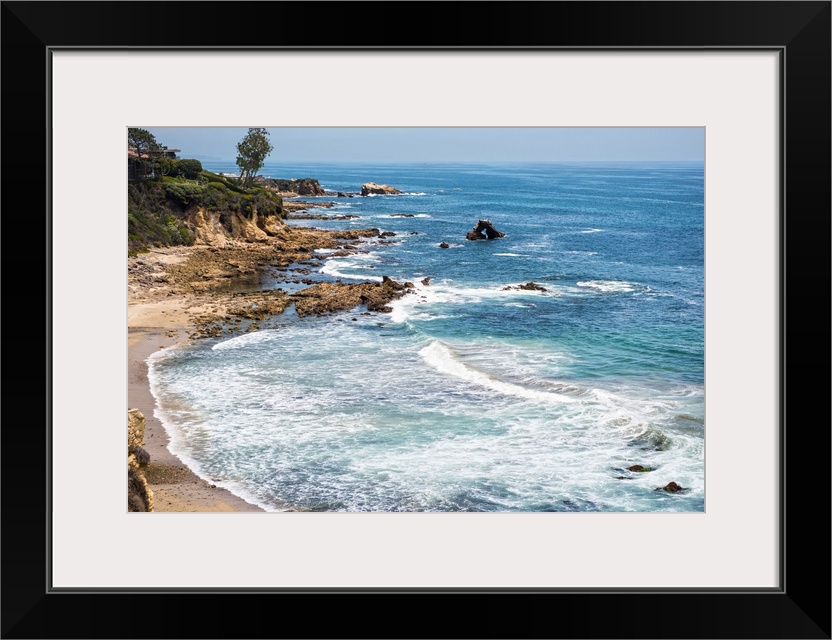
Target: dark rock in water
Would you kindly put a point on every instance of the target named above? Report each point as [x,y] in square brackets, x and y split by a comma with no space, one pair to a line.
[388,234]
[671,487]
[341,194]
[639,469]
[484,230]
[529,286]
[426,281]
[402,215]
[444,245]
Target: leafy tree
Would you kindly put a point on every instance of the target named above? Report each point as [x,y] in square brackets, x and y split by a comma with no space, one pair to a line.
[251,152]
[145,145]
[142,141]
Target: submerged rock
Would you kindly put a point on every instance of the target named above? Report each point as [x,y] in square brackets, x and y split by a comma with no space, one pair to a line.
[651,440]
[484,230]
[639,469]
[444,245]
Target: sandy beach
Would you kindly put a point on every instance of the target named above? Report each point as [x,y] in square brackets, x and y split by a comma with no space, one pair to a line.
[154,325]
[177,294]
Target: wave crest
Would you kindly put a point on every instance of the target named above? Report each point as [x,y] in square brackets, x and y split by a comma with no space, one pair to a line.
[441,358]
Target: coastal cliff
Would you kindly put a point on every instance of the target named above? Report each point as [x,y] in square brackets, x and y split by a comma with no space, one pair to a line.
[139,495]
[211,210]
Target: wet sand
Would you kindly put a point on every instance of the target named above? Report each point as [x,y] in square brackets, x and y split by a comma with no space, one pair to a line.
[175,487]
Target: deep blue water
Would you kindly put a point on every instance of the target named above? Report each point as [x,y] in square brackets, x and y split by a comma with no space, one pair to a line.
[469,396]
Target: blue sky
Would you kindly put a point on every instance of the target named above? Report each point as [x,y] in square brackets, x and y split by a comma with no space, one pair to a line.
[420,144]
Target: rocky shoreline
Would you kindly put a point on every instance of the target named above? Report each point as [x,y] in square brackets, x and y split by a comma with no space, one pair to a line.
[177,294]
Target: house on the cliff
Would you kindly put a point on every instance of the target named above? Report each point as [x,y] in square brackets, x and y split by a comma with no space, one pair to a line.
[141,166]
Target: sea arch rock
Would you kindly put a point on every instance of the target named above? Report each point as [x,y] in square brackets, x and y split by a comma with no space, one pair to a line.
[484,230]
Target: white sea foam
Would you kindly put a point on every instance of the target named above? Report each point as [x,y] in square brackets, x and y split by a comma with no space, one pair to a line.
[245,340]
[608,286]
[399,313]
[512,255]
[441,358]
[592,231]
[335,267]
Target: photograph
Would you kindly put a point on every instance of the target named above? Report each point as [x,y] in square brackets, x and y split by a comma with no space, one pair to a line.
[423,307]
[423,319]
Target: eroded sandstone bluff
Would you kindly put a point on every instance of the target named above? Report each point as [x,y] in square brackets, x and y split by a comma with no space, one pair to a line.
[212,209]
[139,495]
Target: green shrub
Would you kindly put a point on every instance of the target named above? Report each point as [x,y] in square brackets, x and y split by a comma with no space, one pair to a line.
[230,183]
[188,168]
[185,192]
[177,233]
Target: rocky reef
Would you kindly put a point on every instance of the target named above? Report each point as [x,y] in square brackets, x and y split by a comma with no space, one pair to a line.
[371,188]
[293,186]
[484,230]
[324,298]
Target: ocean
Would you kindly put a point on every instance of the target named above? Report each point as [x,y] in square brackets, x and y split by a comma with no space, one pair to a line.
[470,396]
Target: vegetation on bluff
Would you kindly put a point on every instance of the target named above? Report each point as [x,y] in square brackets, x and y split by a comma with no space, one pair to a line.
[158,208]
[164,192]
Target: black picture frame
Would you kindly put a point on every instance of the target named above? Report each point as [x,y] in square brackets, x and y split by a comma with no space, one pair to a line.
[799,608]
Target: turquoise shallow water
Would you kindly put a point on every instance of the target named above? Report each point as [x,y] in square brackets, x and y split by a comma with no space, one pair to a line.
[470,397]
